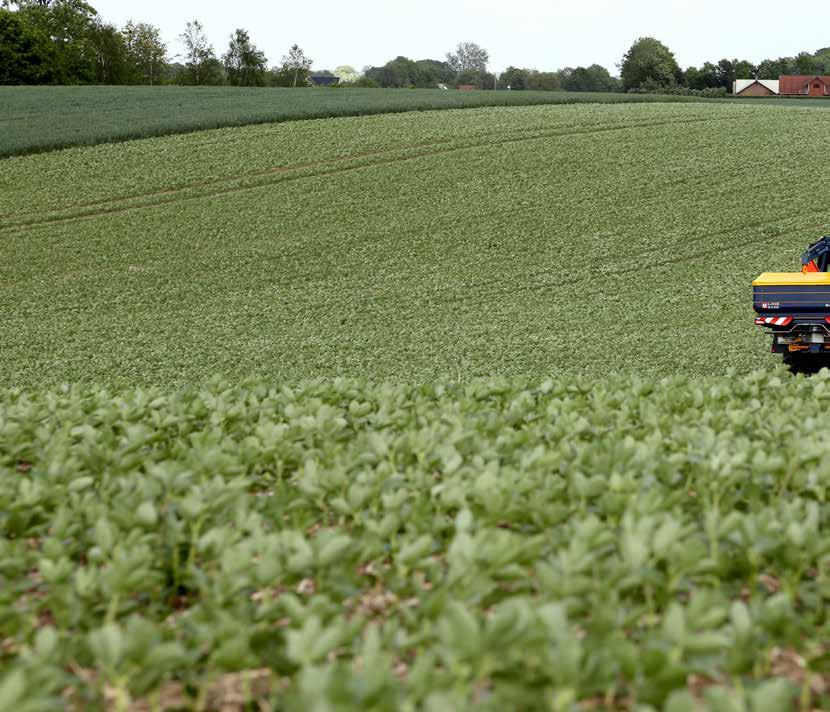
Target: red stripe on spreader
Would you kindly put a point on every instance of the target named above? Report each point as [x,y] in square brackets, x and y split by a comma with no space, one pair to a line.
[773,320]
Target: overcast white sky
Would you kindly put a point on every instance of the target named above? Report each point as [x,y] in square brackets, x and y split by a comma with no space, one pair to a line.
[525,33]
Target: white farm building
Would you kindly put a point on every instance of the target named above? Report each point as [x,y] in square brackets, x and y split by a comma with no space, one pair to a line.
[756,87]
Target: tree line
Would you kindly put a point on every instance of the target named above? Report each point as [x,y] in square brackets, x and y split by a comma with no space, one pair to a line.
[66,42]
[467,65]
[650,66]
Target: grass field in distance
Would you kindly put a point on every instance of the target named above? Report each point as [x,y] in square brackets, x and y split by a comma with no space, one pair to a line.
[93,114]
[90,115]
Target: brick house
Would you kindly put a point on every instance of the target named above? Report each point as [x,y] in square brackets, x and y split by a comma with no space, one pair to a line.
[804,85]
[785,85]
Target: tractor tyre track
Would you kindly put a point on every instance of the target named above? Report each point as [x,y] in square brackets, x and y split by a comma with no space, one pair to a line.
[305,171]
[507,284]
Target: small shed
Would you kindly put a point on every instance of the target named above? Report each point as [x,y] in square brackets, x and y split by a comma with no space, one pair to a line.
[805,85]
[323,80]
[467,87]
[756,87]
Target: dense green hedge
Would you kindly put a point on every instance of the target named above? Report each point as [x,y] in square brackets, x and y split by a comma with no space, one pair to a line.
[509,545]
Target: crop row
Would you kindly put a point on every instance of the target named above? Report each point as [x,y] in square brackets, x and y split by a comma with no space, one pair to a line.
[570,544]
[111,172]
[519,241]
[81,116]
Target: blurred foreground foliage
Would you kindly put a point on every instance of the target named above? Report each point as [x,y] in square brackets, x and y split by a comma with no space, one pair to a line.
[562,545]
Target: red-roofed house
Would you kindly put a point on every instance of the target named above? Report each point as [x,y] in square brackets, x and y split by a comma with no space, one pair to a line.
[804,85]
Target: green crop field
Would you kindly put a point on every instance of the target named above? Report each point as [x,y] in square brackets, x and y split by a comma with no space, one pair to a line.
[553,545]
[90,115]
[515,241]
[804,101]
[429,410]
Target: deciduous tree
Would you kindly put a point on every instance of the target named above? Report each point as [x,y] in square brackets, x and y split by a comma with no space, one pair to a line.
[477,78]
[347,74]
[648,62]
[244,63]
[468,57]
[514,78]
[111,62]
[69,25]
[296,64]
[544,81]
[146,53]
[200,59]
[593,78]
[805,63]
[26,53]
[744,70]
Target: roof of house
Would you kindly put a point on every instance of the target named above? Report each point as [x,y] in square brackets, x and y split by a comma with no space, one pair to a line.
[772,84]
[798,83]
[323,79]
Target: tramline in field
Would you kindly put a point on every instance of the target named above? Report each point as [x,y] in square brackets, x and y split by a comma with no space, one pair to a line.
[426,244]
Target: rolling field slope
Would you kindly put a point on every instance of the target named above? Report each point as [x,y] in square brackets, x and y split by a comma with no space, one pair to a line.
[89,115]
[510,523]
[525,241]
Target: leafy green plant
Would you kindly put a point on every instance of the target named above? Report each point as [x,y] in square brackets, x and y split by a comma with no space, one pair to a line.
[621,542]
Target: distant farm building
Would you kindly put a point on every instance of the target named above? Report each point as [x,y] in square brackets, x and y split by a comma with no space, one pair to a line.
[467,87]
[755,87]
[804,85]
[785,85]
[319,80]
